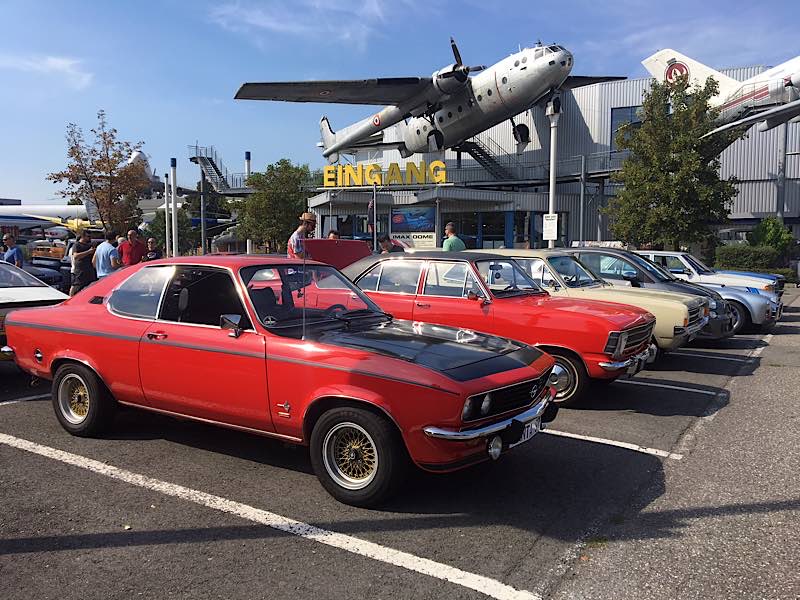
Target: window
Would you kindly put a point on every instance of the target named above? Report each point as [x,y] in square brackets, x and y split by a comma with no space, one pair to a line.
[459,108]
[488,92]
[571,271]
[447,279]
[399,277]
[621,117]
[201,295]
[449,115]
[441,119]
[537,271]
[505,277]
[369,281]
[480,97]
[538,53]
[607,266]
[11,277]
[505,79]
[668,262]
[524,59]
[140,294]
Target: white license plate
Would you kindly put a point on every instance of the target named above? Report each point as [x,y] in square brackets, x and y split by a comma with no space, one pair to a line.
[531,429]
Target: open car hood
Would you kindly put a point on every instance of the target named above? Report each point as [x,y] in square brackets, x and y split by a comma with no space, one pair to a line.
[460,354]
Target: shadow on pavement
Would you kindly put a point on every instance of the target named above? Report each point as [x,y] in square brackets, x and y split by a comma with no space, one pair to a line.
[706,364]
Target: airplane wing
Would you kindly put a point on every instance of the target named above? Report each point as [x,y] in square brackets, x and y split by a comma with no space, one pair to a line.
[772,118]
[383,91]
[574,81]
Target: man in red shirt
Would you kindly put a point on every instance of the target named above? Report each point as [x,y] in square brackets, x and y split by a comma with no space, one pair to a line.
[132,250]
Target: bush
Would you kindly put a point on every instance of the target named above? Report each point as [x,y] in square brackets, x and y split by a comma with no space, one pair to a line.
[747,258]
[771,232]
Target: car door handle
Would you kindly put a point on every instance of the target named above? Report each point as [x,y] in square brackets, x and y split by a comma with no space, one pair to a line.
[157,335]
[423,305]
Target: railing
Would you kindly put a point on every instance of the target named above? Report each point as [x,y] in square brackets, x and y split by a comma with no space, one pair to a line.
[220,177]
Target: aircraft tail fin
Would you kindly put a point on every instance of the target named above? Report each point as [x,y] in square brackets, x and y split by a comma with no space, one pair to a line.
[92,214]
[668,65]
[328,138]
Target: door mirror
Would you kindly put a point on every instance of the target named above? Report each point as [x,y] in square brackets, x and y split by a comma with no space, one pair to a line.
[477,296]
[679,272]
[233,323]
[631,277]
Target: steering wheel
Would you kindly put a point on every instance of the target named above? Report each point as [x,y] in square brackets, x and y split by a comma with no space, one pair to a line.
[511,286]
[328,312]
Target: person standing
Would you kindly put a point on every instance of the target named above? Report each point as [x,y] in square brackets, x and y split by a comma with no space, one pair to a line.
[388,245]
[295,247]
[106,258]
[153,253]
[13,253]
[83,273]
[333,234]
[453,243]
[131,250]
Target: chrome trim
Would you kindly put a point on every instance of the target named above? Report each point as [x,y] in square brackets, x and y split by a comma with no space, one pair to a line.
[6,353]
[624,364]
[453,435]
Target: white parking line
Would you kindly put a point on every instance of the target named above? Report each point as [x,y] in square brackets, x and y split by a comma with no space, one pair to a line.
[626,445]
[714,356]
[666,386]
[25,399]
[479,583]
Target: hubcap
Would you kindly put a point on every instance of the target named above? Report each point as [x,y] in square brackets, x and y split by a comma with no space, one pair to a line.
[563,379]
[73,398]
[350,456]
[737,317]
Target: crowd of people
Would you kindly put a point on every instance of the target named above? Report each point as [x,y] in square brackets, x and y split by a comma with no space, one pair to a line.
[295,247]
[90,262]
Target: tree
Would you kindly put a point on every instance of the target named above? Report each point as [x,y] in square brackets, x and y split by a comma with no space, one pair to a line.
[269,216]
[98,174]
[188,237]
[672,190]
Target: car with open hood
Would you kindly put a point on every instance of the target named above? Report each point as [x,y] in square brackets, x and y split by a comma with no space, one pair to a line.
[562,274]
[484,292]
[290,350]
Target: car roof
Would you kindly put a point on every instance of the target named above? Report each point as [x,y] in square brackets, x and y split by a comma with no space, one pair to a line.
[663,251]
[523,252]
[357,268]
[233,260]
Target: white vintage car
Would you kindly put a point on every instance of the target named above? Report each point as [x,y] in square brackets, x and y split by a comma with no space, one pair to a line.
[19,289]
[685,266]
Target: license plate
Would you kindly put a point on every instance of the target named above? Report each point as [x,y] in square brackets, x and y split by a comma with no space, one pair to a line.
[531,429]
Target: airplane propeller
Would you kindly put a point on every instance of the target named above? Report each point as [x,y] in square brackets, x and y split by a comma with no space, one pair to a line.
[460,71]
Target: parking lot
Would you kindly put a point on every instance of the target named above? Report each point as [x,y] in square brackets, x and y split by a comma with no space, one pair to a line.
[667,485]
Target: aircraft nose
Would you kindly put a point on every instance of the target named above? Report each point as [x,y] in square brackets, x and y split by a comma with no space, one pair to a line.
[564,60]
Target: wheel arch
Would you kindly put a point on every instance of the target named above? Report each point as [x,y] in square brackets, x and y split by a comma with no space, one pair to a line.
[563,349]
[58,362]
[328,402]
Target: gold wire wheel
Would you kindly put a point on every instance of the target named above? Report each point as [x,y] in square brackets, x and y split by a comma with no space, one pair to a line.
[73,398]
[350,456]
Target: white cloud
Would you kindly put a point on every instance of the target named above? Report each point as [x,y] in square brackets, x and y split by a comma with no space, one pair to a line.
[353,23]
[69,69]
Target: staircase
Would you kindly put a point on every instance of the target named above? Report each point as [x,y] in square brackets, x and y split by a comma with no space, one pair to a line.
[483,156]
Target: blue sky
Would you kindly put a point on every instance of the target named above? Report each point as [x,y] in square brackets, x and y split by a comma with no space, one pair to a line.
[166,71]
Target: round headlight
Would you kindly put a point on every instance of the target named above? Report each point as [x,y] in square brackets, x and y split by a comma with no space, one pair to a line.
[495,447]
[486,405]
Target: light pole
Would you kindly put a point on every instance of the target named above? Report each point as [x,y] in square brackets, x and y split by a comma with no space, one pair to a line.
[553,111]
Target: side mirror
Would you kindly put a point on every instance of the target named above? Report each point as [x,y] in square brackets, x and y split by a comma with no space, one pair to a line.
[474,296]
[233,323]
[680,272]
[633,278]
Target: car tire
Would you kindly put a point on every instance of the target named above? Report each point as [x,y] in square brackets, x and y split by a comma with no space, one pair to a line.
[573,375]
[82,404]
[375,460]
[741,317]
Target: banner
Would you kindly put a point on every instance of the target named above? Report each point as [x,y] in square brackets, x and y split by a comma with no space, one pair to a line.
[414,227]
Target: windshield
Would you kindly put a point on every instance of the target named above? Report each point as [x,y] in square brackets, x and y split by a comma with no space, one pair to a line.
[506,278]
[648,266]
[294,296]
[12,277]
[574,273]
[698,266]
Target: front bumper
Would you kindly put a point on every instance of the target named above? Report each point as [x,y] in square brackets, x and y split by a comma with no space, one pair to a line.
[719,327]
[633,361]
[506,426]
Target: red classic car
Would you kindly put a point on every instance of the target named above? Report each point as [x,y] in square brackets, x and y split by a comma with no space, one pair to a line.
[289,350]
[588,339]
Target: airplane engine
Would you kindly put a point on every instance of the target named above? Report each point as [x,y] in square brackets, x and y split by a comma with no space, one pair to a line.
[450,80]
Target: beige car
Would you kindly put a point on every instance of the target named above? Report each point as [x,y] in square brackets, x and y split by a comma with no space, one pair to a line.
[679,317]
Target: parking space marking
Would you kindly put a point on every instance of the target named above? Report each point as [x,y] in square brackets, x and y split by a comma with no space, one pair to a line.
[712,356]
[626,445]
[666,386]
[25,399]
[479,583]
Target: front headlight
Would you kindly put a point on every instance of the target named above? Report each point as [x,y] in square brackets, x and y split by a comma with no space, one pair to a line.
[623,340]
[713,314]
[712,304]
[770,287]
[486,405]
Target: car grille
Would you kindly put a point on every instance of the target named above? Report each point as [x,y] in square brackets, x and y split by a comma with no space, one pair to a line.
[695,314]
[638,339]
[511,397]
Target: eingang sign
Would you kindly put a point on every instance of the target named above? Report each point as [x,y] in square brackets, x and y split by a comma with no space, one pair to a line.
[373,174]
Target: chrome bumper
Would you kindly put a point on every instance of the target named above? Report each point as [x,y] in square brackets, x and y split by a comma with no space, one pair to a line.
[6,353]
[454,435]
[692,330]
[624,364]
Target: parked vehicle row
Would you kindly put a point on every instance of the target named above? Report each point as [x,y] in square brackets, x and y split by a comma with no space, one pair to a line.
[440,360]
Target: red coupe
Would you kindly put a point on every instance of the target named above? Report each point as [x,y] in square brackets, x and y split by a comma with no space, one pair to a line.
[288,350]
[588,339]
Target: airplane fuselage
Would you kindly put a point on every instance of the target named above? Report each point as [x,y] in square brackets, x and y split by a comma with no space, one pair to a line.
[28,216]
[778,85]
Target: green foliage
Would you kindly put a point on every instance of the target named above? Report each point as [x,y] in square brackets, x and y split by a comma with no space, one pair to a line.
[270,215]
[672,190]
[771,232]
[188,237]
[747,258]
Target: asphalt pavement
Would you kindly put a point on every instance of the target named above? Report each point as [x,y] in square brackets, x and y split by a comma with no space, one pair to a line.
[679,483]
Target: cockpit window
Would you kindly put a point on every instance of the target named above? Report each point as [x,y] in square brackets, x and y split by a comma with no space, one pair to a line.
[538,53]
[554,48]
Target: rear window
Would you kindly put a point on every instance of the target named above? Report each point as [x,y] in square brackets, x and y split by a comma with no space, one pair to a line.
[140,294]
[12,277]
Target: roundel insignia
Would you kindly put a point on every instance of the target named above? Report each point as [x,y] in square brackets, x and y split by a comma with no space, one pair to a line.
[675,70]
[325,93]
[376,120]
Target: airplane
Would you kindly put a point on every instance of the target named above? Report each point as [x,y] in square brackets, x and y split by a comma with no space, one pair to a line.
[28,216]
[770,98]
[440,111]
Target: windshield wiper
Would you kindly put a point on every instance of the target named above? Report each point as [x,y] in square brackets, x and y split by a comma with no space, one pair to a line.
[359,313]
